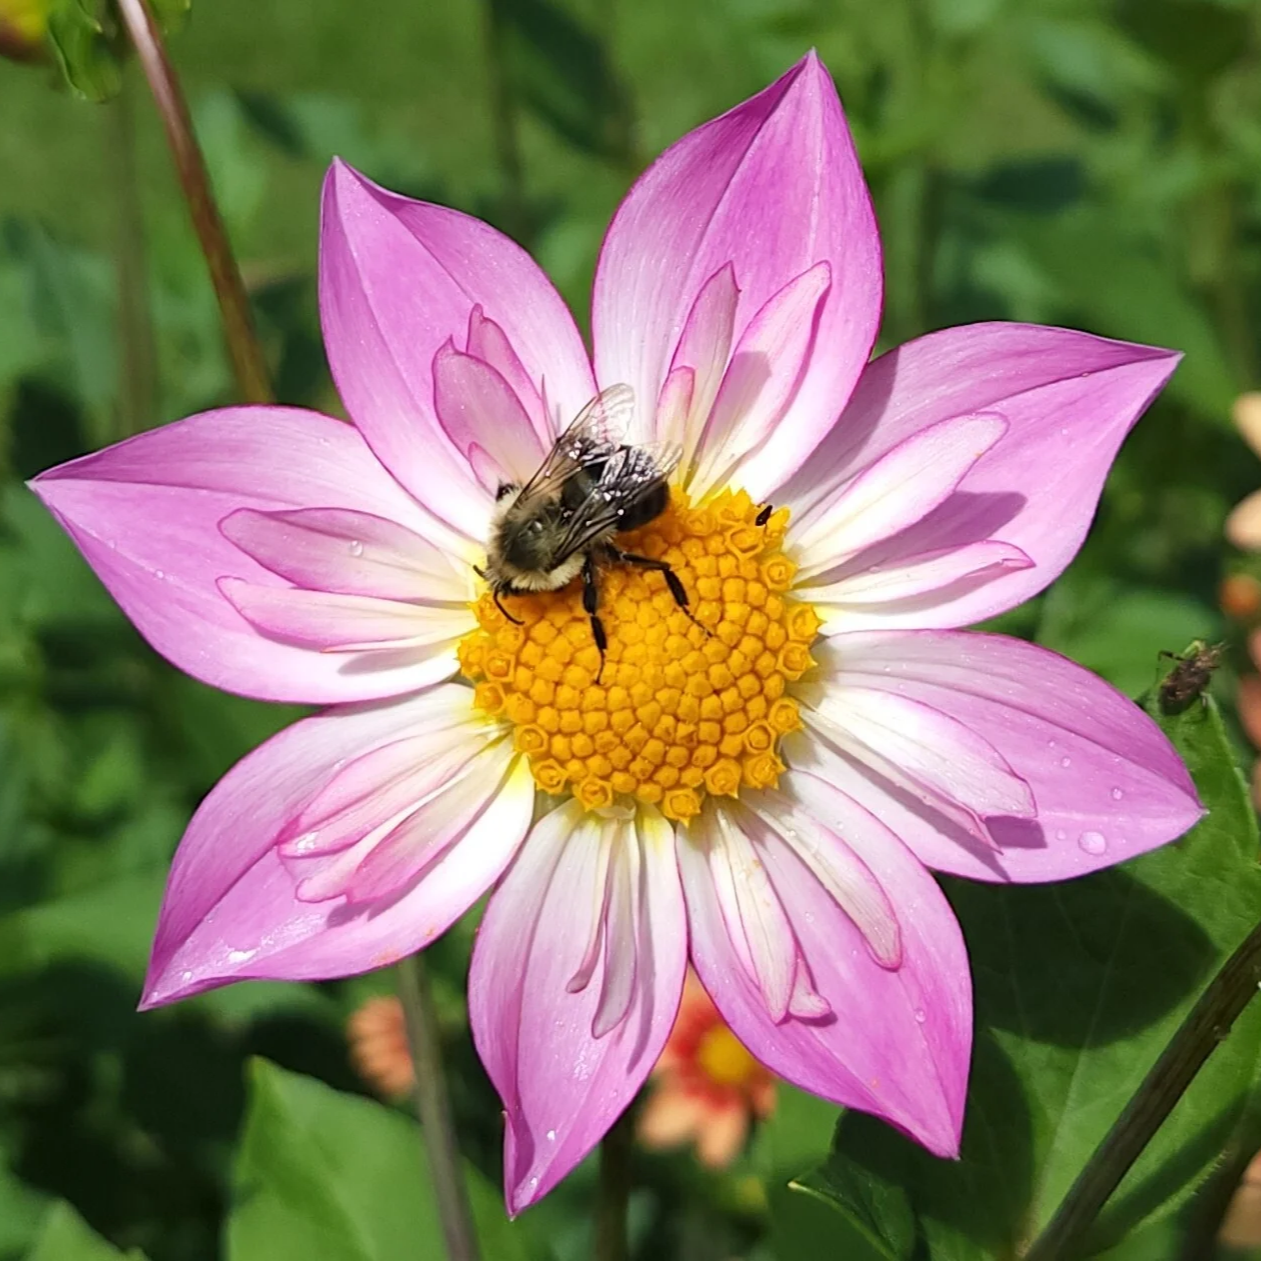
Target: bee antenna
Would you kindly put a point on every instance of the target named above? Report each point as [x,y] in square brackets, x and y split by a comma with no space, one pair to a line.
[499,604]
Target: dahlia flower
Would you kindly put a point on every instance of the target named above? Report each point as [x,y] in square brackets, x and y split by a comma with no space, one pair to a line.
[706,1087]
[761,782]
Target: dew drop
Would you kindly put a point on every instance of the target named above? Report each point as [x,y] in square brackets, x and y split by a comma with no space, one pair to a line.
[920,1015]
[158,573]
[551,1136]
[1117,794]
[1093,843]
[1061,835]
[1066,761]
[241,956]
[356,548]
[1050,744]
[186,977]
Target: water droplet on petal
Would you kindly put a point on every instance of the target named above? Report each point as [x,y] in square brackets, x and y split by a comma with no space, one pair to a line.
[241,956]
[551,1136]
[356,548]
[158,573]
[920,1015]
[1117,794]
[1061,835]
[1093,843]
[1066,762]
[1050,744]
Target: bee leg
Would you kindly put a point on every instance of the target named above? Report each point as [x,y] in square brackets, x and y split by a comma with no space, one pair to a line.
[591,602]
[499,592]
[673,581]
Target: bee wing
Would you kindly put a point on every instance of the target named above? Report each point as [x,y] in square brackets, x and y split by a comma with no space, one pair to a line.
[591,435]
[627,476]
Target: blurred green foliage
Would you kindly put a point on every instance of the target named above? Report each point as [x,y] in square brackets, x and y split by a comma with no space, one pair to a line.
[1087,162]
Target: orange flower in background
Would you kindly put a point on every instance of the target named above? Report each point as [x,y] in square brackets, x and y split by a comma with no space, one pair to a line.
[1243,526]
[378,1046]
[706,1085]
[1240,594]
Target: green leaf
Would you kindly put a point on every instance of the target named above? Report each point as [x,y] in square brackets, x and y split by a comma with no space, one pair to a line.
[324,1174]
[563,73]
[1079,986]
[111,923]
[878,1210]
[66,1237]
[91,45]
[87,39]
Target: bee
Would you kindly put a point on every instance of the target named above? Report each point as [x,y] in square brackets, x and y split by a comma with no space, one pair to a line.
[564,521]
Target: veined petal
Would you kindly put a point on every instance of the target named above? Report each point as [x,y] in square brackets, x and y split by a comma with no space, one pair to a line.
[356,553]
[231,909]
[773,187]
[562,1066]
[398,279]
[894,492]
[891,1040]
[490,343]
[893,594]
[1106,782]
[923,751]
[146,515]
[330,622]
[762,376]
[703,351]
[481,413]
[1068,398]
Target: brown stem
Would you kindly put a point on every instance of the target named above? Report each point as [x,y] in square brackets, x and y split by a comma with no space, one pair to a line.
[437,1127]
[234,309]
[1206,1025]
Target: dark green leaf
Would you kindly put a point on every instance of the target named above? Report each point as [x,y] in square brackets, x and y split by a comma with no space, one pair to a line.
[324,1174]
[562,71]
[1079,986]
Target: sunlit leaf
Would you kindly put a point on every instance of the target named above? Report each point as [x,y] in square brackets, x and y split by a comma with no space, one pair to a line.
[1079,986]
[320,1173]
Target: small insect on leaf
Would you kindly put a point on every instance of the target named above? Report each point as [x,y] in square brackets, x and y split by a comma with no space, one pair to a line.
[1190,676]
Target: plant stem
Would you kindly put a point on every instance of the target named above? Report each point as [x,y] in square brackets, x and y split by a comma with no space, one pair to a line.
[434,1110]
[234,308]
[137,405]
[615,1180]
[1207,1024]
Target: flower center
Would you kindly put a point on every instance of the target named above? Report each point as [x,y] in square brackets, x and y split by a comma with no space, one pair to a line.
[722,1057]
[679,710]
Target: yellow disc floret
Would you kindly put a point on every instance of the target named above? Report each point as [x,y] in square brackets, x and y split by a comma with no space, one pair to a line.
[680,709]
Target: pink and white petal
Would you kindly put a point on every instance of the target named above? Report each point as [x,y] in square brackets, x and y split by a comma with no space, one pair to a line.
[923,749]
[1069,399]
[762,378]
[480,412]
[490,343]
[146,512]
[329,622]
[398,279]
[1107,783]
[893,1041]
[357,553]
[772,187]
[894,492]
[562,1087]
[895,593]
[702,352]
[231,911]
